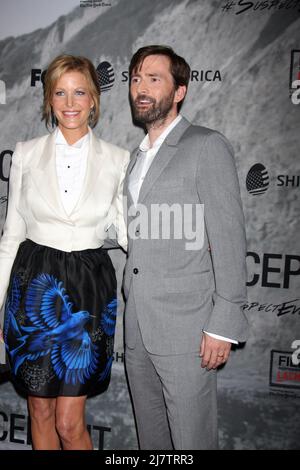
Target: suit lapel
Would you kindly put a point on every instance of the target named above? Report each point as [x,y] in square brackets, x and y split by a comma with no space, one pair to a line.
[131,164]
[165,154]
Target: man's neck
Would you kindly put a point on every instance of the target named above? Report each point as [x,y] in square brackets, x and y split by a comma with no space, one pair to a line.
[156,128]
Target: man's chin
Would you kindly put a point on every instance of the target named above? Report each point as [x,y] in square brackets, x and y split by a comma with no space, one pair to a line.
[142,118]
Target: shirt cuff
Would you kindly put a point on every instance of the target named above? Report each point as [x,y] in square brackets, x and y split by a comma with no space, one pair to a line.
[233,341]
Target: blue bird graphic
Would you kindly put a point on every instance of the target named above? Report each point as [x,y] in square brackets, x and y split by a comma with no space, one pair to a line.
[62,335]
[11,309]
[106,370]
[109,317]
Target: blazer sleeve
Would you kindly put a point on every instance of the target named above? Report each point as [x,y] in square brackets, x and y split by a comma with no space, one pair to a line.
[120,223]
[218,189]
[14,230]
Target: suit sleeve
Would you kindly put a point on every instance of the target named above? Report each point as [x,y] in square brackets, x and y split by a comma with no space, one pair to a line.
[218,189]
[14,231]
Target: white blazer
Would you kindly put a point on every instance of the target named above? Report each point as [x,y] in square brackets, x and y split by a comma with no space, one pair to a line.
[35,210]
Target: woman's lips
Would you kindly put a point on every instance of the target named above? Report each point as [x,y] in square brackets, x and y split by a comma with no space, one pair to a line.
[71,114]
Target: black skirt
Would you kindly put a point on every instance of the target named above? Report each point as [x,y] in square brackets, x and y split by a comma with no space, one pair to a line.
[60,318]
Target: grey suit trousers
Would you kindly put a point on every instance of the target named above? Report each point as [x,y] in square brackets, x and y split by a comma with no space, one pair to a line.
[174,399]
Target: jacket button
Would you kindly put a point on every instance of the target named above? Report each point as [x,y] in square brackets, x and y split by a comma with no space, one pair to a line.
[137,232]
[135,270]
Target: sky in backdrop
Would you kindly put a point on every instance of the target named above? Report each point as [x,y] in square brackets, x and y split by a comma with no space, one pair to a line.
[18,17]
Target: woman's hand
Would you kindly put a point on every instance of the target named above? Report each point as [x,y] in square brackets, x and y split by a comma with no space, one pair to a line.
[1,336]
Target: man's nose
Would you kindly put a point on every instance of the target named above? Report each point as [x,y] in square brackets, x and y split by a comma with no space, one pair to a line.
[142,87]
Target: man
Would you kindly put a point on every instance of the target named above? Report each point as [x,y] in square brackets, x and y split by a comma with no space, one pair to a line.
[183,300]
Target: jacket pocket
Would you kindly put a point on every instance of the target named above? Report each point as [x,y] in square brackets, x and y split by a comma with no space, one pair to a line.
[189,283]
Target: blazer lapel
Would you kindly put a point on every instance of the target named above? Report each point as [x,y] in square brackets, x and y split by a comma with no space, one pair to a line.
[166,152]
[94,162]
[45,179]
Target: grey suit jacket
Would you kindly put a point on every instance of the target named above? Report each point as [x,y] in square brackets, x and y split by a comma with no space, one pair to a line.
[172,292]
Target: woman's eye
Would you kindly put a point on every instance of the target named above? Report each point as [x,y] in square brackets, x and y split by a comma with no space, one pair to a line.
[59,93]
[80,92]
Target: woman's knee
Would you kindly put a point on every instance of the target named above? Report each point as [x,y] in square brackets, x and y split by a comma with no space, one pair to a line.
[70,426]
[41,409]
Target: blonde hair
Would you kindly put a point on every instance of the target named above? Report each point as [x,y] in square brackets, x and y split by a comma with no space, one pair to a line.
[67,63]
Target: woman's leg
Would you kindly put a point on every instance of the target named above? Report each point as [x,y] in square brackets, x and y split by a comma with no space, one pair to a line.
[70,423]
[42,417]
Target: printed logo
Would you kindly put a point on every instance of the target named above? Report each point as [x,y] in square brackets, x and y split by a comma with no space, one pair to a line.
[195,76]
[105,73]
[94,3]
[15,429]
[287,308]
[106,76]
[284,374]
[257,181]
[267,268]
[37,75]
[271,5]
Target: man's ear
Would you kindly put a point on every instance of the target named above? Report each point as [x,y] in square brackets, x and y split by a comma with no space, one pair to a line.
[180,93]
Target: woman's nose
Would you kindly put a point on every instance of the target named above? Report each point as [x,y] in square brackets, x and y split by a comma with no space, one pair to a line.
[70,99]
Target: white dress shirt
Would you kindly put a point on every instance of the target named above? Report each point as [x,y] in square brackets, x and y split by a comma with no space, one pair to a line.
[145,158]
[71,161]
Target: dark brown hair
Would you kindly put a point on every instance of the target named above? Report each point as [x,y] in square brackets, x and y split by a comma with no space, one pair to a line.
[179,68]
[68,63]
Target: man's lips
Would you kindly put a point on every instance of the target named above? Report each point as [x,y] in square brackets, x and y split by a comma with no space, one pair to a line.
[143,102]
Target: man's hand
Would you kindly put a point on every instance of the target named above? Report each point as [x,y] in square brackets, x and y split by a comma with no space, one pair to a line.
[214,352]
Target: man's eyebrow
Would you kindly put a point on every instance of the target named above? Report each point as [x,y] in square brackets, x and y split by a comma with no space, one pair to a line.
[153,74]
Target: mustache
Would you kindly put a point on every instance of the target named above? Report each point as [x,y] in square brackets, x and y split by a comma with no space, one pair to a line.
[144,97]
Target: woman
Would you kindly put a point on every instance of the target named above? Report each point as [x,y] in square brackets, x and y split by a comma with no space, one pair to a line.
[65,191]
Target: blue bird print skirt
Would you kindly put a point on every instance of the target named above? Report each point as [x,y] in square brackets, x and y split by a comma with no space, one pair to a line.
[60,317]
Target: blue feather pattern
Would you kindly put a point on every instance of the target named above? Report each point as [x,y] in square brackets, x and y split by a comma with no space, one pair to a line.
[54,330]
[11,309]
[106,370]
[109,317]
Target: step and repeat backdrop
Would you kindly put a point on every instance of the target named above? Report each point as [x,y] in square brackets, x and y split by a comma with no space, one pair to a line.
[245,82]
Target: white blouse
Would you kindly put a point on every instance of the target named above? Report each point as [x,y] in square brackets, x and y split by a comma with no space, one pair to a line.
[71,161]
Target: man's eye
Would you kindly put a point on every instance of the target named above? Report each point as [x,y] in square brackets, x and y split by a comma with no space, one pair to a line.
[134,80]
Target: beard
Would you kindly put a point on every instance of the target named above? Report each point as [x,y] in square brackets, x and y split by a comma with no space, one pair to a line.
[156,111]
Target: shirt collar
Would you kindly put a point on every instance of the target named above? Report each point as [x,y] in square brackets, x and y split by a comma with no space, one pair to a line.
[145,144]
[60,140]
